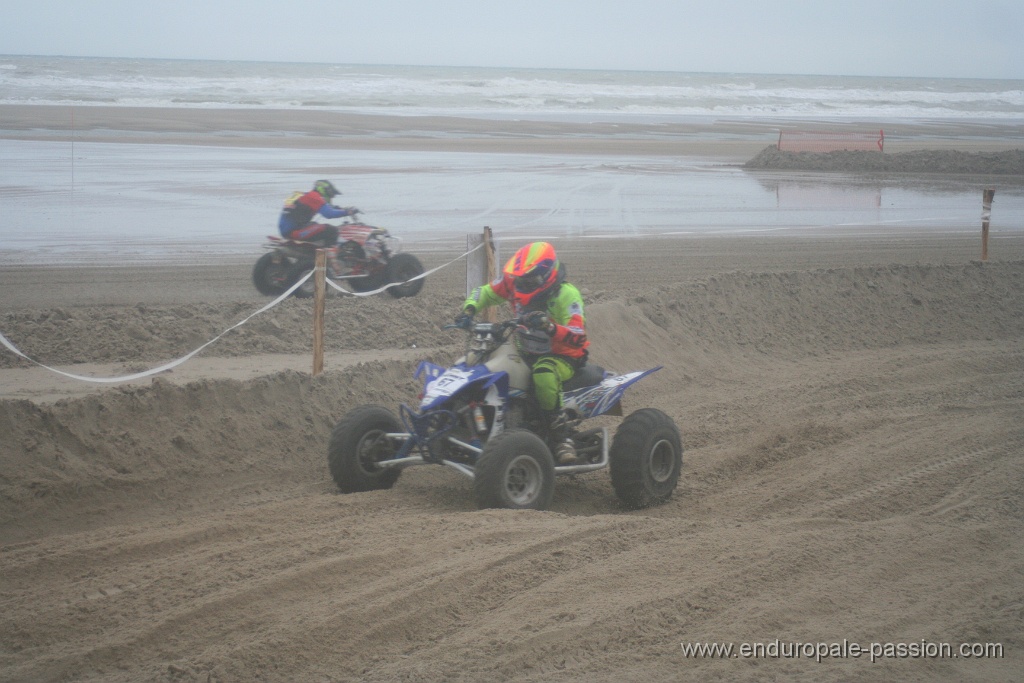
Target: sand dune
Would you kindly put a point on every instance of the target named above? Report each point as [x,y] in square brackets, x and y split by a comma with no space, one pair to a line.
[852,425]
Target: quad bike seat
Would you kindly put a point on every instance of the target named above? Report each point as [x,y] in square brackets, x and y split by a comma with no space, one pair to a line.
[588,376]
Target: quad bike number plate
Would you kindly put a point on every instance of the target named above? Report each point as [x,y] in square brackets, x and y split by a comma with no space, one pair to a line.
[447,384]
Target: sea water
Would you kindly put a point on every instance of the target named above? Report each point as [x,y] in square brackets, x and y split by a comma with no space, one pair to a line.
[93,202]
[495,91]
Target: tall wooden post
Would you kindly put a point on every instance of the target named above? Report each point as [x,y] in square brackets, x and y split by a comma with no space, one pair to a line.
[491,314]
[986,214]
[319,295]
[73,163]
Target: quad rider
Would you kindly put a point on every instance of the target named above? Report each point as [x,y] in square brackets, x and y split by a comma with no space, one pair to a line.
[296,221]
[553,340]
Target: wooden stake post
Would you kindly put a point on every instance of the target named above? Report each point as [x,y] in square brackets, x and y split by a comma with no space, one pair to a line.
[482,268]
[986,214]
[491,314]
[319,295]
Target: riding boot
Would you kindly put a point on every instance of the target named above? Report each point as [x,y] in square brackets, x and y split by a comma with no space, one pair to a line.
[562,446]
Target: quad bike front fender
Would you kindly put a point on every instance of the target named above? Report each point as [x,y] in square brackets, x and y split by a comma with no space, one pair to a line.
[440,384]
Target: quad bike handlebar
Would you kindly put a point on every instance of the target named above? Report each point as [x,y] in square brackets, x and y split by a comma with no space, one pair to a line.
[465,322]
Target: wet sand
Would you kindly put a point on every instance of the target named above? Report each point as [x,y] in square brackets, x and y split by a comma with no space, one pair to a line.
[729,139]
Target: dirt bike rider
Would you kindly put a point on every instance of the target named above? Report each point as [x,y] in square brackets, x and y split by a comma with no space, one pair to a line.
[554,341]
[296,221]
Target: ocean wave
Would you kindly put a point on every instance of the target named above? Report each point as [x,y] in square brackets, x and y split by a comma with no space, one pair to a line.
[455,91]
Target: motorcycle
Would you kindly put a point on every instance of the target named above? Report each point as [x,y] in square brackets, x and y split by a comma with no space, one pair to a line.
[366,257]
[480,418]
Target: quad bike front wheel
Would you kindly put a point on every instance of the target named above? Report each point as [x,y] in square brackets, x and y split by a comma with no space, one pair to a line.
[402,268]
[271,274]
[515,470]
[646,458]
[358,442]
[369,281]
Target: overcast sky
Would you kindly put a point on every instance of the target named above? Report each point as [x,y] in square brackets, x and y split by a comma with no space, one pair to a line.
[954,38]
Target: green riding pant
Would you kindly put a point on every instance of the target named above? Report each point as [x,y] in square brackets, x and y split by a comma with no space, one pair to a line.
[548,374]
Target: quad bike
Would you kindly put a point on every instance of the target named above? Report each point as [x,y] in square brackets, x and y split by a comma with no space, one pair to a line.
[366,257]
[479,417]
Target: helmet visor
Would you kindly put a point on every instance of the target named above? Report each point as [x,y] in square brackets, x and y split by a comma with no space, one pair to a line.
[530,282]
[326,188]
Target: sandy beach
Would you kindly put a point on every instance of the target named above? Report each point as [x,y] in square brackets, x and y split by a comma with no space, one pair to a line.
[850,406]
[728,139]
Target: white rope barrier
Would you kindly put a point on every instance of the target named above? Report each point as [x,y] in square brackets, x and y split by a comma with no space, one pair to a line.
[175,363]
[398,284]
[166,366]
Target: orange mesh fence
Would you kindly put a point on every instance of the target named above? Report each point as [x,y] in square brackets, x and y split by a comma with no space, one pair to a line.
[800,141]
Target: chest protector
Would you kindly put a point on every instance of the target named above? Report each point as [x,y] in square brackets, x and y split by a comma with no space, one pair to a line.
[532,342]
[298,212]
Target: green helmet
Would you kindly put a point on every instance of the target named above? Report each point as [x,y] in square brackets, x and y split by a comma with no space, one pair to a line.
[326,189]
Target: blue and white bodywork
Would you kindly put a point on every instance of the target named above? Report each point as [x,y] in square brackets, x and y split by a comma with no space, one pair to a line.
[601,398]
[480,418]
[501,379]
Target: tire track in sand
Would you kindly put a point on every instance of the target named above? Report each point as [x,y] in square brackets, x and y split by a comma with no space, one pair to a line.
[919,474]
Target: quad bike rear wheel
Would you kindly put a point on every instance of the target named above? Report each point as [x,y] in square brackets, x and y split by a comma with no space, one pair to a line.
[515,470]
[270,274]
[357,443]
[646,458]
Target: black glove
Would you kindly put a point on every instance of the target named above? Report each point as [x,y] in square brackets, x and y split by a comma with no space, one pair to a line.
[352,211]
[538,320]
[465,319]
